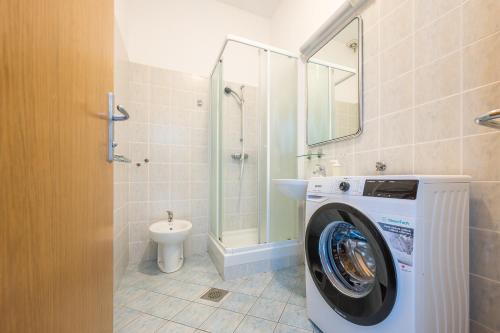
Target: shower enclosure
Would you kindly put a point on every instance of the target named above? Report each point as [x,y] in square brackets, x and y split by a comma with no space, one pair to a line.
[253,139]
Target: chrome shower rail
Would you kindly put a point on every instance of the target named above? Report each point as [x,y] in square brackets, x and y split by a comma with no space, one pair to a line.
[241,40]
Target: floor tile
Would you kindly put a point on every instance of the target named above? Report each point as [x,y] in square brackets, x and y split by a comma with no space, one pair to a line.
[238,302]
[171,301]
[277,291]
[149,268]
[194,315]
[222,321]
[143,324]
[297,299]
[204,278]
[127,295]
[294,315]
[295,271]
[182,274]
[187,291]
[130,278]
[147,301]
[149,282]
[168,308]
[172,327]
[255,284]
[201,263]
[301,282]
[123,316]
[298,295]
[231,285]
[267,309]
[282,328]
[256,325]
[165,284]
[168,286]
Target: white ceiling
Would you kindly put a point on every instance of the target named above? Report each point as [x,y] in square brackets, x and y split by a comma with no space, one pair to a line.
[264,8]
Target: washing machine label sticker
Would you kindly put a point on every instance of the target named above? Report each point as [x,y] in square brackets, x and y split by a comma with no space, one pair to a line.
[399,233]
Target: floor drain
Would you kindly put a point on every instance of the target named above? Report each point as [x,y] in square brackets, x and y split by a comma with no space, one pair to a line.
[214,295]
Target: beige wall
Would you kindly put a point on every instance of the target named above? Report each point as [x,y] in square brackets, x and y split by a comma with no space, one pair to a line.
[430,68]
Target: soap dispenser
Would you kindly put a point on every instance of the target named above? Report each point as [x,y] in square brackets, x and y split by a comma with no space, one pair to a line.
[336,168]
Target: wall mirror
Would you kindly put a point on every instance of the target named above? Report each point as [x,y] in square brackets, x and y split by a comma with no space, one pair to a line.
[334,96]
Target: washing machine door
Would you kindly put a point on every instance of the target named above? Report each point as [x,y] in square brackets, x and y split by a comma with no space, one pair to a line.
[351,264]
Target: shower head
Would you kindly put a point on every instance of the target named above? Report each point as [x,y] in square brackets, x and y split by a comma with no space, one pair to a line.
[229,91]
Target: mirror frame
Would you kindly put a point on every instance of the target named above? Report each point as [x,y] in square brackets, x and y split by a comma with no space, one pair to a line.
[311,51]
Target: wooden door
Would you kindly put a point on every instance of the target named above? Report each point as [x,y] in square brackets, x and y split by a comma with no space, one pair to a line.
[56,66]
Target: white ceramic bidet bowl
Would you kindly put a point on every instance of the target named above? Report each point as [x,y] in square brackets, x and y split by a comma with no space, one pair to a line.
[170,237]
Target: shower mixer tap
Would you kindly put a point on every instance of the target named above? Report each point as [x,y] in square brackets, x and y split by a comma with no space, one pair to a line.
[237,156]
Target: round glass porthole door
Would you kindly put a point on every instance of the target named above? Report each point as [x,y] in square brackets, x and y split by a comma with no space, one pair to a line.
[351,264]
[347,259]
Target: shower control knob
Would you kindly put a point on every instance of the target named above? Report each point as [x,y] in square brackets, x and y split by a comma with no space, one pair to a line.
[344,186]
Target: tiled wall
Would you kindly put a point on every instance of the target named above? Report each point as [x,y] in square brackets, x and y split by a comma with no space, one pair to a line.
[430,68]
[240,195]
[170,130]
[120,170]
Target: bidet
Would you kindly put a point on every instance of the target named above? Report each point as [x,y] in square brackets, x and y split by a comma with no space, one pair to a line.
[170,236]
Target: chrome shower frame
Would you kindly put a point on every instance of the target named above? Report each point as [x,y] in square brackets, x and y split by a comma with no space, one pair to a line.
[268,49]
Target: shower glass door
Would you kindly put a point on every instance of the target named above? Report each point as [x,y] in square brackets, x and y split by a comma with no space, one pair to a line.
[282,145]
[240,145]
[215,143]
[253,140]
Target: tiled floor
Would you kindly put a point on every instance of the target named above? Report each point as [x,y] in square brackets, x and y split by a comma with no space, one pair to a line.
[151,301]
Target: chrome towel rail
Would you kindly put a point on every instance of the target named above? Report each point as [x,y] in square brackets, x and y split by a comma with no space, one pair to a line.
[488,119]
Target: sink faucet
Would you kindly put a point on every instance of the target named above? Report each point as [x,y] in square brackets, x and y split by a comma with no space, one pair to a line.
[319,170]
[170,215]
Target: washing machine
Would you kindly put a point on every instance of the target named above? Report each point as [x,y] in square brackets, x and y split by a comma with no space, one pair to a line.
[388,254]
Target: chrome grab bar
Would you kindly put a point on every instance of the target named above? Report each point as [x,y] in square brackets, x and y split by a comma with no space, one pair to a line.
[488,119]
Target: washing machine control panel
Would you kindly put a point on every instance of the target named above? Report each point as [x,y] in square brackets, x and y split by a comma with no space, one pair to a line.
[391,188]
[365,186]
[344,186]
[336,185]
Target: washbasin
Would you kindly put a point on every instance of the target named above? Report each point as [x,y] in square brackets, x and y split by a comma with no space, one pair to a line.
[292,188]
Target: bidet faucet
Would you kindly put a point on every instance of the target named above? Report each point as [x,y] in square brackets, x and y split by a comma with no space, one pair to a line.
[170,215]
